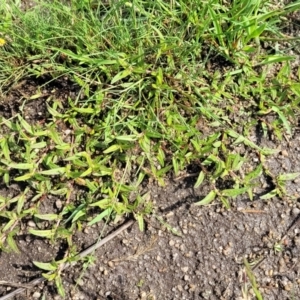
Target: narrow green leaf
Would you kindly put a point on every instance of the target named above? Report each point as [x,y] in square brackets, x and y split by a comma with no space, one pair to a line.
[217,144]
[49,276]
[218,29]
[254,174]
[169,227]
[55,136]
[6,178]
[252,280]
[59,285]
[121,75]
[87,172]
[48,217]
[112,148]
[11,242]
[283,119]
[9,124]
[271,59]
[5,148]
[25,125]
[104,62]
[53,112]
[42,233]
[60,192]
[239,140]
[140,220]
[104,214]
[232,133]
[199,180]
[225,201]
[288,176]
[56,171]
[209,198]
[24,177]
[45,266]
[163,171]
[145,144]
[10,223]
[237,162]
[21,166]
[102,203]
[20,203]
[161,157]
[39,145]
[234,192]
[250,193]
[79,214]
[175,166]
[63,146]
[270,195]
[127,138]
[256,33]
[76,210]
[86,110]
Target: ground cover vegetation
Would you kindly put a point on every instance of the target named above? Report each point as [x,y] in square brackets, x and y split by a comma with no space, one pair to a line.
[162,89]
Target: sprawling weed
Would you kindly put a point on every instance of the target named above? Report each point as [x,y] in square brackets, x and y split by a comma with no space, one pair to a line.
[163,84]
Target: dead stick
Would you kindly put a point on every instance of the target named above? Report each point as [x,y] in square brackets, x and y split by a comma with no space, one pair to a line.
[82,254]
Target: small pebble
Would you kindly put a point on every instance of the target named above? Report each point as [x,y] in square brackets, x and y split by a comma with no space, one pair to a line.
[180,288]
[288,286]
[80,282]
[227,250]
[58,204]
[36,295]
[284,153]
[186,277]
[296,211]
[184,269]
[31,224]
[192,287]
[182,247]
[171,243]
[189,254]
[111,264]
[125,242]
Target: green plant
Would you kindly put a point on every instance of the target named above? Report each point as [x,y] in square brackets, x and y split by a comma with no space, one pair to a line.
[252,280]
[159,86]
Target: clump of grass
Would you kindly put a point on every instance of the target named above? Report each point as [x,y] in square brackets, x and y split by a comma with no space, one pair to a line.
[164,85]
